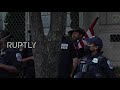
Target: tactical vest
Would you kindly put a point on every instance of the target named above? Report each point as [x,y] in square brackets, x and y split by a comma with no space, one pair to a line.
[89,68]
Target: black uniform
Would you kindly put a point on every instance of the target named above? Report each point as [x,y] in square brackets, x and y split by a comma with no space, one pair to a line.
[8,57]
[80,51]
[96,66]
[28,66]
[67,54]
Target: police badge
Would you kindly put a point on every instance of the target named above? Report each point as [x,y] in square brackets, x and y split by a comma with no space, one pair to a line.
[19,56]
[109,64]
[95,60]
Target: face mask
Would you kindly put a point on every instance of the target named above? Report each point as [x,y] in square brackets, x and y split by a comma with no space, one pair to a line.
[87,50]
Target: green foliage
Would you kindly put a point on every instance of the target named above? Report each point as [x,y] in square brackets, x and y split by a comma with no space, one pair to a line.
[15,24]
[117,71]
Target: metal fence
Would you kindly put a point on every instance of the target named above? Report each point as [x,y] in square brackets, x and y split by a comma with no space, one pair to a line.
[15,24]
[18,23]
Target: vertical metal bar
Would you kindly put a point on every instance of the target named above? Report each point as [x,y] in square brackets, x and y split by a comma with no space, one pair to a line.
[3,19]
[27,26]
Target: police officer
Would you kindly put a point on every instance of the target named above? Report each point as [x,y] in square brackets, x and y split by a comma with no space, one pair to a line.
[9,57]
[77,35]
[95,65]
[66,57]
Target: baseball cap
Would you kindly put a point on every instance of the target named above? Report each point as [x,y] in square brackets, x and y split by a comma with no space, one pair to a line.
[95,40]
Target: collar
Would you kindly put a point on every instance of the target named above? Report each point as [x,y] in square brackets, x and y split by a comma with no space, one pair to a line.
[96,55]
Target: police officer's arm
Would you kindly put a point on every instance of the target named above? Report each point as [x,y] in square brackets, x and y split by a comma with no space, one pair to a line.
[75,59]
[29,55]
[27,59]
[75,63]
[107,69]
[8,68]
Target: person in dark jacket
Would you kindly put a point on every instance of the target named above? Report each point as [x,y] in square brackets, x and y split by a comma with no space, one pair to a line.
[66,57]
[95,65]
[9,57]
[76,36]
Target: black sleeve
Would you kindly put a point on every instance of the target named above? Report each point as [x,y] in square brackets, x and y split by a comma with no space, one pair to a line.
[73,51]
[107,69]
[29,52]
[12,60]
[81,52]
[16,63]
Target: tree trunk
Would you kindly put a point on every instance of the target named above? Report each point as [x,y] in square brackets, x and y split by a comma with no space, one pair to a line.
[47,48]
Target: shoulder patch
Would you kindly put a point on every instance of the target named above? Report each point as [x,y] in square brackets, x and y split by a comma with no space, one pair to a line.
[95,60]
[19,56]
[109,64]
[64,46]
[2,53]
